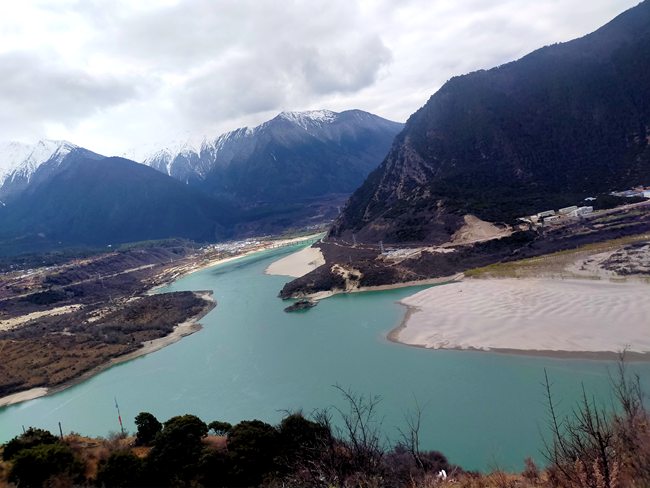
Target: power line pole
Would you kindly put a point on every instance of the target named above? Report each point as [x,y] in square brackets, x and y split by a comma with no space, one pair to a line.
[119,416]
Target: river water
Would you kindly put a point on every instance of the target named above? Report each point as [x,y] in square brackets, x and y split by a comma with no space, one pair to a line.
[253,360]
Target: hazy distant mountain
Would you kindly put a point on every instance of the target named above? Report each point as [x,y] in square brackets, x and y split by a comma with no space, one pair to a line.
[563,123]
[57,194]
[291,171]
[294,156]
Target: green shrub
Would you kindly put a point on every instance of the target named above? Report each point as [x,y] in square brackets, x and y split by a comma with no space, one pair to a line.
[34,466]
[148,428]
[121,469]
[31,438]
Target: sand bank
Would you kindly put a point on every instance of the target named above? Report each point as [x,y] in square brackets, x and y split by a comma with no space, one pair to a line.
[542,316]
[23,396]
[297,264]
[184,270]
[321,295]
[14,322]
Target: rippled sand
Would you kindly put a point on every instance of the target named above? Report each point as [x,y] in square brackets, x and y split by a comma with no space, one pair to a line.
[530,314]
[297,264]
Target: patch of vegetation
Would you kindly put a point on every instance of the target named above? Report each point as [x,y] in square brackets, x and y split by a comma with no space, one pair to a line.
[551,262]
[51,350]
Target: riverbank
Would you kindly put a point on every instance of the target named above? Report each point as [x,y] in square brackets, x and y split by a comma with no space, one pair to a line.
[266,245]
[395,286]
[297,264]
[75,353]
[544,317]
[181,330]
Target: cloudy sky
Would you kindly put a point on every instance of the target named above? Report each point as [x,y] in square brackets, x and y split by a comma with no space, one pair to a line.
[117,74]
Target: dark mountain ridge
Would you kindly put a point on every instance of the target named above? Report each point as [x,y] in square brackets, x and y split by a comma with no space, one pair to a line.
[290,158]
[88,199]
[565,122]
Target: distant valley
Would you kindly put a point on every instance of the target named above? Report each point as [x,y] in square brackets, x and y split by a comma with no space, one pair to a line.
[291,172]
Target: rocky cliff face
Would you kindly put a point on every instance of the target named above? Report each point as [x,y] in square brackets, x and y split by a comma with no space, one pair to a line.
[565,122]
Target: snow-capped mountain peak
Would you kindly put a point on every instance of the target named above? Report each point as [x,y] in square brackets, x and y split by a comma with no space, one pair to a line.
[309,118]
[191,162]
[22,160]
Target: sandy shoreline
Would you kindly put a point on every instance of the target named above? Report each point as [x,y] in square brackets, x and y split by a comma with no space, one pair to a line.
[181,330]
[536,317]
[215,262]
[297,264]
[15,322]
[321,295]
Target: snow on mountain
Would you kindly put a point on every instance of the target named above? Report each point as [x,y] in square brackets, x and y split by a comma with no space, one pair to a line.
[308,119]
[19,160]
[180,158]
[147,152]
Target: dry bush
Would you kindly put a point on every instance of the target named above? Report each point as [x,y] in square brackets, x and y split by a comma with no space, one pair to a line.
[596,449]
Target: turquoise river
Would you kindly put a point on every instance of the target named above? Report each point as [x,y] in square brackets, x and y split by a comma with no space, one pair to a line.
[253,360]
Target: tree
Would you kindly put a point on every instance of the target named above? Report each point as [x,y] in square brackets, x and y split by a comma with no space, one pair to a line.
[582,450]
[252,446]
[122,468]
[148,428]
[362,430]
[177,449]
[302,439]
[34,466]
[214,468]
[31,438]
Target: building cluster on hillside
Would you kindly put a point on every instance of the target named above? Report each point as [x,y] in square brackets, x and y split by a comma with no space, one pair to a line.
[636,192]
[234,246]
[549,217]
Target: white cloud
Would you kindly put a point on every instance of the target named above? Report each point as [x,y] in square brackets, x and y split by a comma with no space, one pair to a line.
[114,74]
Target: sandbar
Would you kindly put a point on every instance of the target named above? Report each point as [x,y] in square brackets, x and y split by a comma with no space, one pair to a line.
[297,264]
[573,317]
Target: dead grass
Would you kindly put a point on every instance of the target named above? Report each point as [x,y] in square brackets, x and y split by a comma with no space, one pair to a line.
[552,264]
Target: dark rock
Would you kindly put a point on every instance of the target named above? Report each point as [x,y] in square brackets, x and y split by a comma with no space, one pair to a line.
[301,305]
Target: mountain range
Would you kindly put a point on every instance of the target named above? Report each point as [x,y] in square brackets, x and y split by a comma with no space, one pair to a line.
[292,170]
[62,195]
[564,123]
[292,157]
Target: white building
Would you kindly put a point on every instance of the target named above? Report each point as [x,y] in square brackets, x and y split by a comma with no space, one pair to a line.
[551,219]
[581,211]
[568,210]
[547,213]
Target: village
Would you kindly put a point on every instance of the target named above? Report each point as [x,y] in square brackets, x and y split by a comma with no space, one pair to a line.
[568,214]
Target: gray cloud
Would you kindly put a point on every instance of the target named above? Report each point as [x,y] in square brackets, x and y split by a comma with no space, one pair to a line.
[279,76]
[35,90]
[116,74]
[246,57]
